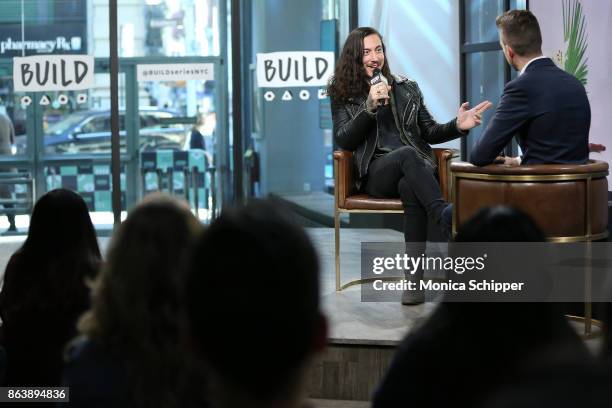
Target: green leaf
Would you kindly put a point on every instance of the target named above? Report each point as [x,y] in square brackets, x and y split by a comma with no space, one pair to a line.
[574,34]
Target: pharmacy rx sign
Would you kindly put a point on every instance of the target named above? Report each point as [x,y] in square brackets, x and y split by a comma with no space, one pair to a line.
[295,69]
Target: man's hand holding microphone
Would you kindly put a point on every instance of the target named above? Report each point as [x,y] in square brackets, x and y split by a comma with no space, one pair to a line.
[379,91]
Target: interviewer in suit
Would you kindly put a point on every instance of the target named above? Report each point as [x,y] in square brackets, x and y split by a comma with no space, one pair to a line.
[544,106]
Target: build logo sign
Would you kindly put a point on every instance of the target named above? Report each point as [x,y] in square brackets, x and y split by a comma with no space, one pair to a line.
[45,73]
[282,70]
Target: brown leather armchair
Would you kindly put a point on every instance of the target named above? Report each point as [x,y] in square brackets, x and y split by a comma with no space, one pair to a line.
[568,202]
[349,200]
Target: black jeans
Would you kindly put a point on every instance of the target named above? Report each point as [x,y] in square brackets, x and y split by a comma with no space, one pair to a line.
[403,173]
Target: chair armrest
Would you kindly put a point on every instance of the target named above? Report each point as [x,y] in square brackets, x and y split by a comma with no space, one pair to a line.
[576,194]
[591,167]
[444,157]
[344,176]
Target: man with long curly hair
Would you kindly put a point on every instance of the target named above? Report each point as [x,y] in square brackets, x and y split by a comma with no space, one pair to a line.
[389,129]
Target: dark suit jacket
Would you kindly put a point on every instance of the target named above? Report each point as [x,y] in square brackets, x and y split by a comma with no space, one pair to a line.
[548,110]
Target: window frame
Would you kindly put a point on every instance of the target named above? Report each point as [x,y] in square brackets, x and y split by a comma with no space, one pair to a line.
[466,48]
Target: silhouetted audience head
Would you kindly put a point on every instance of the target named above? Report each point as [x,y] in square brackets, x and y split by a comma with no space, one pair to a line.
[60,250]
[44,287]
[135,301]
[566,384]
[555,377]
[60,226]
[500,224]
[252,299]
[480,347]
[506,224]
[606,309]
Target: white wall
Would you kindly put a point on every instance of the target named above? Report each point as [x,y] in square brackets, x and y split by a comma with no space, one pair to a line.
[422,40]
[598,15]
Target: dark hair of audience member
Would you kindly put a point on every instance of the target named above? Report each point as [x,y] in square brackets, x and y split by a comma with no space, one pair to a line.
[45,288]
[605,309]
[479,346]
[135,301]
[252,299]
[504,224]
[500,224]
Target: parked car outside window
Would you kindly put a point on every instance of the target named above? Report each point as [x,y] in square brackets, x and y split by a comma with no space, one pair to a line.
[90,132]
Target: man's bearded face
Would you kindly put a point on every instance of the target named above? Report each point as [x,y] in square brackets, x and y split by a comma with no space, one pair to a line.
[373,55]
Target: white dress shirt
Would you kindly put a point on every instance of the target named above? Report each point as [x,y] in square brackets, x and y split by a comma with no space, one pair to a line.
[530,61]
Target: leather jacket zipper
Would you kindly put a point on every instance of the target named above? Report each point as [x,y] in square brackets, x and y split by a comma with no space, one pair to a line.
[409,115]
[412,143]
[365,149]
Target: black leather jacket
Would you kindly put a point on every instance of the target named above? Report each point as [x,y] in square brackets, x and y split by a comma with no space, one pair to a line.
[355,128]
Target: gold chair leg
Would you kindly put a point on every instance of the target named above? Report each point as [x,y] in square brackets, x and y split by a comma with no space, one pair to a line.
[588,318]
[337,255]
[588,287]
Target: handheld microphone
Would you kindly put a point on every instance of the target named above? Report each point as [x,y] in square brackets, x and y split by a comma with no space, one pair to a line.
[378,77]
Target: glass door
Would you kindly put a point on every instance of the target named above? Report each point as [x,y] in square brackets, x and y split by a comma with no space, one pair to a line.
[73,144]
[177,141]
[168,134]
[17,187]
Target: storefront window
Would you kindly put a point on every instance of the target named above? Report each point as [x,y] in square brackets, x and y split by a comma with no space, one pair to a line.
[485,82]
[170,28]
[65,135]
[480,20]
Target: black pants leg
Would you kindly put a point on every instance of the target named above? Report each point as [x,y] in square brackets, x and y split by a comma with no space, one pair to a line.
[403,173]
[11,218]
